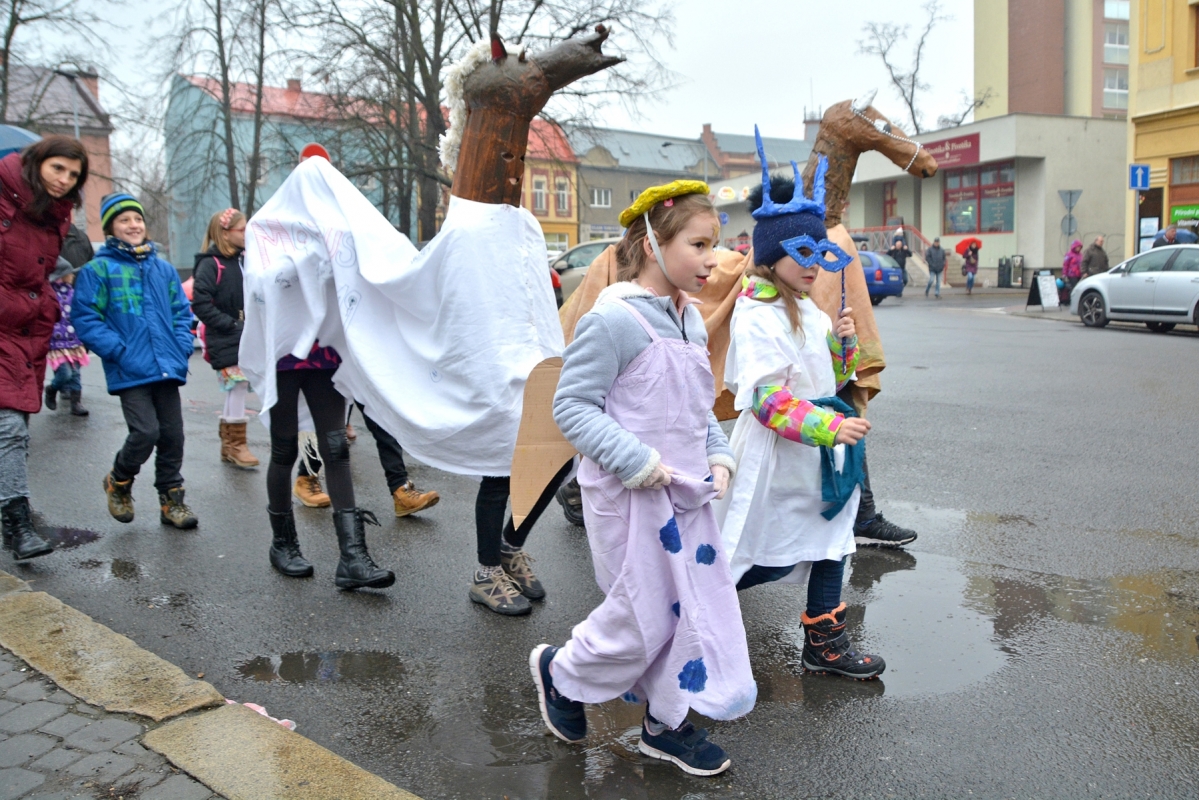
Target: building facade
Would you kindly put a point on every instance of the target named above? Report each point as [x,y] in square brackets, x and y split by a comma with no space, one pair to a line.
[57,101]
[1164,115]
[1061,57]
[550,189]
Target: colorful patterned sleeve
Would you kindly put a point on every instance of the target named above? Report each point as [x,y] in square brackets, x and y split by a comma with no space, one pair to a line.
[797,420]
[843,367]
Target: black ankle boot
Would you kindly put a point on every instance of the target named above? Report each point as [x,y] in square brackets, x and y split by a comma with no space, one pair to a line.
[19,535]
[51,398]
[827,648]
[77,408]
[356,569]
[286,557]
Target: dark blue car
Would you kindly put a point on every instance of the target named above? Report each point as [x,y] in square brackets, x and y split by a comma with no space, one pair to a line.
[884,278]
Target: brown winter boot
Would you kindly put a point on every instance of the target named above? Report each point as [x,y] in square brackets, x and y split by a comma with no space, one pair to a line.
[233,445]
[309,492]
[409,499]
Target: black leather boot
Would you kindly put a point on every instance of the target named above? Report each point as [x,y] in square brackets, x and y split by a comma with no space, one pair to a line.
[285,546]
[356,569]
[19,534]
[51,398]
[77,408]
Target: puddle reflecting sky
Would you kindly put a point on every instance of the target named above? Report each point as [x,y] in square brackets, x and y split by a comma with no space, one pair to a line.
[330,666]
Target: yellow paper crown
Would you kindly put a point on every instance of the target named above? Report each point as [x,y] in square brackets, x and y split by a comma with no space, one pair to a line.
[656,194]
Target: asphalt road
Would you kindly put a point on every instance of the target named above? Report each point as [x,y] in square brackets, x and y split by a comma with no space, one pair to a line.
[1040,635]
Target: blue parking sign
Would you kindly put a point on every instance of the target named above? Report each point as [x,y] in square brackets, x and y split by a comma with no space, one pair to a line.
[1138,177]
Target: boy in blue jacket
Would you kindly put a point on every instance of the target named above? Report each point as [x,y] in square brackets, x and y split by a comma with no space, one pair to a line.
[131,311]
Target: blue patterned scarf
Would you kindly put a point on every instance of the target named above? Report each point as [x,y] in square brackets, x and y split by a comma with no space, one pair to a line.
[138,252]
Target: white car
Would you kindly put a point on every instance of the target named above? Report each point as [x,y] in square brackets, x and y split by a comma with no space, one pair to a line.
[1159,287]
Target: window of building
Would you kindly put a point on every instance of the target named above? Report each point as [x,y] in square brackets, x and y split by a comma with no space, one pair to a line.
[1115,87]
[601,198]
[1184,170]
[981,199]
[634,194]
[890,202]
[1115,43]
[1115,9]
[539,192]
[557,242]
[562,196]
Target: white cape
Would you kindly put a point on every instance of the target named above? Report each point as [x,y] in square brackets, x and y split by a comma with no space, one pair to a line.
[437,344]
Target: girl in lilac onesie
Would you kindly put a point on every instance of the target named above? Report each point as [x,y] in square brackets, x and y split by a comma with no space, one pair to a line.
[635,399]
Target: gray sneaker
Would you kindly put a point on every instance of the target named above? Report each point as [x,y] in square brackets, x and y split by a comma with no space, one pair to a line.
[516,564]
[493,589]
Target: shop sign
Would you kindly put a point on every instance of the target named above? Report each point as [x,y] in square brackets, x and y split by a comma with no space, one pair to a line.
[1184,213]
[726,193]
[957,152]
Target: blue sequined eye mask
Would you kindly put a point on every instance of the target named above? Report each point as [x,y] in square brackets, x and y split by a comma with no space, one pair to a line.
[817,253]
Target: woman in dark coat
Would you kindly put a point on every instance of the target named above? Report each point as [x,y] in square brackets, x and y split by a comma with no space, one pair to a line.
[38,189]
[218,303]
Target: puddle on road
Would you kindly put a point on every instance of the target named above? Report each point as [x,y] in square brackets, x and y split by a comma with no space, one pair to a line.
[67,538]
[333,666]
[114,569]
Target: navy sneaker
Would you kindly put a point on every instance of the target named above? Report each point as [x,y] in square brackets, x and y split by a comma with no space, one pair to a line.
[879,532]
[563,716]
[687,746]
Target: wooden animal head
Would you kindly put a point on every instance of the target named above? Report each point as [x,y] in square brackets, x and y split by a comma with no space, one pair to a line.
[847,130]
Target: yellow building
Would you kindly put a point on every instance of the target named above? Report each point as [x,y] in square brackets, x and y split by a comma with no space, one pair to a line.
[550,186]
[1164,115]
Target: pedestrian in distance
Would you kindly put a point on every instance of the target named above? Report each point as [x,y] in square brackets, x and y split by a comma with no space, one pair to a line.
[935,258]
[791,508]
[900,252]
[67,354]
[41,185]
[218,302]
[1071,270]
[131,311]
[635,398]
[1094,258]
[970,266]
[1174,235]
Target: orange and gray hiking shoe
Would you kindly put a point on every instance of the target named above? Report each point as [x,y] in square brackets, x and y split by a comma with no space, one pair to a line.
[120,498]
[408,500]
[491,587]
[827,648]
[517,564]
[174,511]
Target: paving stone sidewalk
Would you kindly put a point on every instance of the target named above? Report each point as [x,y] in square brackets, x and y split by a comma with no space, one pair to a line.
[54,747]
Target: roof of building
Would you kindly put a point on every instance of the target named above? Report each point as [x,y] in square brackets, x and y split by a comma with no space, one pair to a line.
[778,150]
[548,142]
[637,150]
[290,101]
[39,97]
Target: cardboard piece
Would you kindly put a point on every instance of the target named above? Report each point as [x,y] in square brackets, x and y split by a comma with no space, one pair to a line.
[541,449]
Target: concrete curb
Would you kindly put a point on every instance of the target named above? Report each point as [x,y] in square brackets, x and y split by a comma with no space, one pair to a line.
[231,749]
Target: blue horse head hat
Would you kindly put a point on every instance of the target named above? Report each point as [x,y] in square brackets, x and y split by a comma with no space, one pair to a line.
[797,225]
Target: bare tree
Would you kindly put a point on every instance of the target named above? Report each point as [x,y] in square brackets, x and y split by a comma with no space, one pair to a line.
[21,15]
[882,39]
[968,106]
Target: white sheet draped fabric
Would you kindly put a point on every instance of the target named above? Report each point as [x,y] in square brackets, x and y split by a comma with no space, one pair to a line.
[437,344]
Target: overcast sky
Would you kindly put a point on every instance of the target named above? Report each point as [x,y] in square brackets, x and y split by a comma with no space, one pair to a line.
[739,62]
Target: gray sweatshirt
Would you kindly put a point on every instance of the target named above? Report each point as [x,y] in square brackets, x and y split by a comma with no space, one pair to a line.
[606,340]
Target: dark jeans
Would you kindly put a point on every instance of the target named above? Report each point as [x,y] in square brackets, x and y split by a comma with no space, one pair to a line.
[154,416]
[866,509]
[328,415]
[66,379]
[490,506]
[391,455]
[824,584]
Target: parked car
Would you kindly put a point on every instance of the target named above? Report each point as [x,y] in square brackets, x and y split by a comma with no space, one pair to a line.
[884,278]
[572,265]
[1159,287]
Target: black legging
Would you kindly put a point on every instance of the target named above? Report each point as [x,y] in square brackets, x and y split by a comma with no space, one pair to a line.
[328,409]
[490,505]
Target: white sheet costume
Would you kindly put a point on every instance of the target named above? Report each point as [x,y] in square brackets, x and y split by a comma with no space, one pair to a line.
[771,515]
[437,344]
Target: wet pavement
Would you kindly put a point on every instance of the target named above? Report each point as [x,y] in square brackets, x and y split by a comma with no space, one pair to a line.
[1040,635]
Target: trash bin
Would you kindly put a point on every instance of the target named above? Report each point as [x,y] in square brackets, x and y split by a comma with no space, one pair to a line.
[1005,273]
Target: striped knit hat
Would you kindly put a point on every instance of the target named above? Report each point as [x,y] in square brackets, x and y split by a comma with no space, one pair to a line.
[112,205]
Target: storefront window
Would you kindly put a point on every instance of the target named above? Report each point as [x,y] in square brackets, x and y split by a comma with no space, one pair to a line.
[981,199]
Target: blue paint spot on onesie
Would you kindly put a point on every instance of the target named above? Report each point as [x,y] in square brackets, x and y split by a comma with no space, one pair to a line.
[630,697]
[706,554]
[694,676]
[669,534]
[675,608]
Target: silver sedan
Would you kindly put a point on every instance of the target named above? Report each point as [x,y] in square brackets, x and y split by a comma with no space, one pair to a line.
[1159,287]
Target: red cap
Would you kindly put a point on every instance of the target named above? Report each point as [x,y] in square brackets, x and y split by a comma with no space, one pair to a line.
[314,149]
